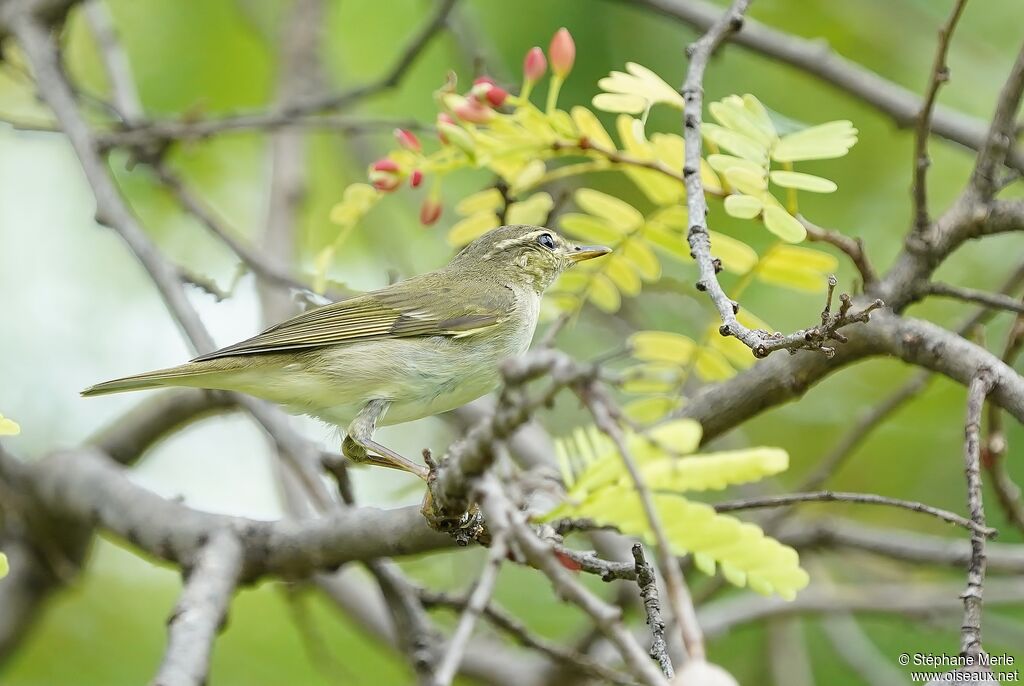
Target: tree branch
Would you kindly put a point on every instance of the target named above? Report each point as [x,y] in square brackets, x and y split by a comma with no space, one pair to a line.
[200,611]
[939,75]
[648,584]
[970,633]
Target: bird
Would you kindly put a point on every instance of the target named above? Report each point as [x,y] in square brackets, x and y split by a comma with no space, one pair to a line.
[417,348]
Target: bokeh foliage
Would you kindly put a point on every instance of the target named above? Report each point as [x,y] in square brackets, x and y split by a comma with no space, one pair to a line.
[219,56]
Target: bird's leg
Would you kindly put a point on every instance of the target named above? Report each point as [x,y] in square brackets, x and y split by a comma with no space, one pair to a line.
[360,447]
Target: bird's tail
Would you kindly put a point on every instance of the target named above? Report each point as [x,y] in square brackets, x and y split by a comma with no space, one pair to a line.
[197,374]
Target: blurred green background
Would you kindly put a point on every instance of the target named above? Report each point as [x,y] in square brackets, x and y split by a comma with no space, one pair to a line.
[77,308]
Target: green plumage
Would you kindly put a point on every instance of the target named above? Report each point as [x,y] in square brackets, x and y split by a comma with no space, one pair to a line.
[419,347]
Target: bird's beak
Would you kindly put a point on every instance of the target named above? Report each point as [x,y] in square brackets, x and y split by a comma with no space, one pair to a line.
[588,252]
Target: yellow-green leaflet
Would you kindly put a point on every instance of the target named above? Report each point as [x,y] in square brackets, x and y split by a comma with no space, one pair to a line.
[4,566]
[600,489]
[472,227]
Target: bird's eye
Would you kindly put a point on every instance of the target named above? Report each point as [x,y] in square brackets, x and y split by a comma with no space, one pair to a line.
[547,240]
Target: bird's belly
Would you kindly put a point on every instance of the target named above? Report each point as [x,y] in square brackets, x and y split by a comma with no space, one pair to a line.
[420,377]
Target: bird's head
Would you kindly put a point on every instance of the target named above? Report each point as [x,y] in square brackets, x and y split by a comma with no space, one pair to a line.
[529,255]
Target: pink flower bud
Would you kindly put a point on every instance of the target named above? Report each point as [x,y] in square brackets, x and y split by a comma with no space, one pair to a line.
[408,140]
[416,178]
[562,52]
[385,165]
[534,64]
[430,211]
[473,111]
[384,184]
[443,118]
[384,175]
[496,96]
[481,80]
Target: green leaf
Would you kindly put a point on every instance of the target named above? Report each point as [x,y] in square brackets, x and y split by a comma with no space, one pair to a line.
[675,218]
[646,379]
[589,228]
[5,567]
[716,471]
[783,225]
[619,102]
[679,436]
[762,563]
[825,141]
[802,269]
[573,281]
[737,257]
[747,181]
[711,365]
[533,210]
[736,143]
[604,294]
[618,213]
[659,188]
[472,227]
[759,115]
[622,273]
[650,410]
[732,113]
[723,163]
[669,241]
[662,346]
[803,182]
[487,199]
[590,126]
[642,257]
[528,176]
[743,206]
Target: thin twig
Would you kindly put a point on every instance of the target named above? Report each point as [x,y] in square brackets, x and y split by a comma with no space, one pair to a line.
[1000,137]
[480,596]
[863,498]
[679,593]
[1008,493]
[853,247]
[252,258]
[970,632]
[541,556]
[922,132]
[518,632]
[994,300]
[648,584]
[115,62]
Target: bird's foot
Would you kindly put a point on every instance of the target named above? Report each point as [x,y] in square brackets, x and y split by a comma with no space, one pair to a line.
[465,527]
[381,456]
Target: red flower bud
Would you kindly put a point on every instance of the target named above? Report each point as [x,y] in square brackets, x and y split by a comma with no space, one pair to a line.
[562,52]
[408,140]
[430,211]
[384,175]
[496,96]
[416,178]
[534,64]
[385,165]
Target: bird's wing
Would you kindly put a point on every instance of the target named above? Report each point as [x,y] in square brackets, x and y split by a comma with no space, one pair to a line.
[405,309]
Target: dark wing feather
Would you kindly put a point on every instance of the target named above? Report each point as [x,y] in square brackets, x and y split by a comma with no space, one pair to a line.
[406,309]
